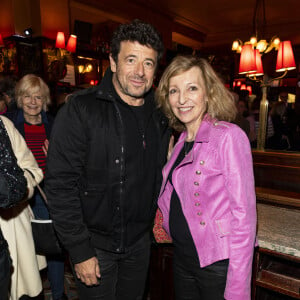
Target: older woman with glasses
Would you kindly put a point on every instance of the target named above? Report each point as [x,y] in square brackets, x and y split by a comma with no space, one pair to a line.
[207,198]
[34,123]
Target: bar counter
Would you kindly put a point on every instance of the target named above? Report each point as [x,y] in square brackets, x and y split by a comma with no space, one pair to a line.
[279,229]
[276,271]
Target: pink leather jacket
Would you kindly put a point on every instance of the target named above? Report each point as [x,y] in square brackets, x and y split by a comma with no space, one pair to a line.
[215,185]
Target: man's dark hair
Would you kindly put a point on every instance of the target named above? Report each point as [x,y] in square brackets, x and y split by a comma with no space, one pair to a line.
[137,31]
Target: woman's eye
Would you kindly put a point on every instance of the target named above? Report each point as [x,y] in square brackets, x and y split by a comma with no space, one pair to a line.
[193,88]
[172,91]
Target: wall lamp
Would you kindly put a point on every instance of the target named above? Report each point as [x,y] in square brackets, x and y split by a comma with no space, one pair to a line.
[61,44]
[251,66]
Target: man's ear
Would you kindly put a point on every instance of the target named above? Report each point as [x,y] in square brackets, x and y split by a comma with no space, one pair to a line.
[113,65]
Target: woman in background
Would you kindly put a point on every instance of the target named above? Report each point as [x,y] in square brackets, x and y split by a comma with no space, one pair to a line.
[32,121]
[16,227]
[207,197]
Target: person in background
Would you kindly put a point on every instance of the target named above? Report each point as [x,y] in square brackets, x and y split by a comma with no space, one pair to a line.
[207,197]
[3,107]
[254,123]
[59,97]
[12,182]
[285,121]
[107,148]
[242,112]
[7,92]
[33,122]
[283,97]
[280,139]
[16,227]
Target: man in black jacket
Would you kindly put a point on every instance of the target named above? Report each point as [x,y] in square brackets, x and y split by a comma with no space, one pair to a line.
[107,148]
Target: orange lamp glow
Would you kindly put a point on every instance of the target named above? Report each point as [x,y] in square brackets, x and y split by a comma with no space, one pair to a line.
[238,83]
[249,88]
[247,60]
[60,40]
[285,57]
[71,46]
[243,86]
[1,40]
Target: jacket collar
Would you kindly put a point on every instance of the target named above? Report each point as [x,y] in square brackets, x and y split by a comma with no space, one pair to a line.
[20,117]
[202,136]
[203,133]
[104,91]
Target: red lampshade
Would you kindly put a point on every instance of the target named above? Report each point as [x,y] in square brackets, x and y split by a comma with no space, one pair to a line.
[238,83]
[1,40]
[71,46]
[247,60]
[60,40]
[259,67]
[243,86]
[285,57]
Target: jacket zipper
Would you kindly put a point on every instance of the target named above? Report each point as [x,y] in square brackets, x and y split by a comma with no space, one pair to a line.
[122,167]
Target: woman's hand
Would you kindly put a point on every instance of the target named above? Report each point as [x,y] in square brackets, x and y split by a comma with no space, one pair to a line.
[171,146]
[45,147]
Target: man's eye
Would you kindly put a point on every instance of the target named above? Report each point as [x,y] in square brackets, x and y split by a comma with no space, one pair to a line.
[130,60]
[149,64]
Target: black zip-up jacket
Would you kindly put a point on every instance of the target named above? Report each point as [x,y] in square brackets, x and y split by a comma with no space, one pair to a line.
[86,173]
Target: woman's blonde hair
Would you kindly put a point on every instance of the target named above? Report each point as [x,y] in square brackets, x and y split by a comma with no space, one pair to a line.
[220,104]
[30,84]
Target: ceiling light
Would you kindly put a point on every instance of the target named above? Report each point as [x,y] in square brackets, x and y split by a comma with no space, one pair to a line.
[28,32]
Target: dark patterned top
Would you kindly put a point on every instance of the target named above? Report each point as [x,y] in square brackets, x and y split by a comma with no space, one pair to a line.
[13,184]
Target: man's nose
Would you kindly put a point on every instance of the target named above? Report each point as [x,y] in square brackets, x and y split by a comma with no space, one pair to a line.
[140,69]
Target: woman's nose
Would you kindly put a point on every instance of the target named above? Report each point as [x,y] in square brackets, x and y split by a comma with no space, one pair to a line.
[182,98]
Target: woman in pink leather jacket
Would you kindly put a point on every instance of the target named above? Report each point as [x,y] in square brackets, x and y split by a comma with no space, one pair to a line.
[207,197]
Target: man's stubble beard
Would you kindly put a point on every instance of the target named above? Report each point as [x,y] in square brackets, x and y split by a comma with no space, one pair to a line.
[126,89]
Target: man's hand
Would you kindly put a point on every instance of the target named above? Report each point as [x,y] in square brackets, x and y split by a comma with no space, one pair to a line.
[88,271]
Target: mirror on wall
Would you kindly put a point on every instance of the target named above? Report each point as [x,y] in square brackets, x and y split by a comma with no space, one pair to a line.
[283,119]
